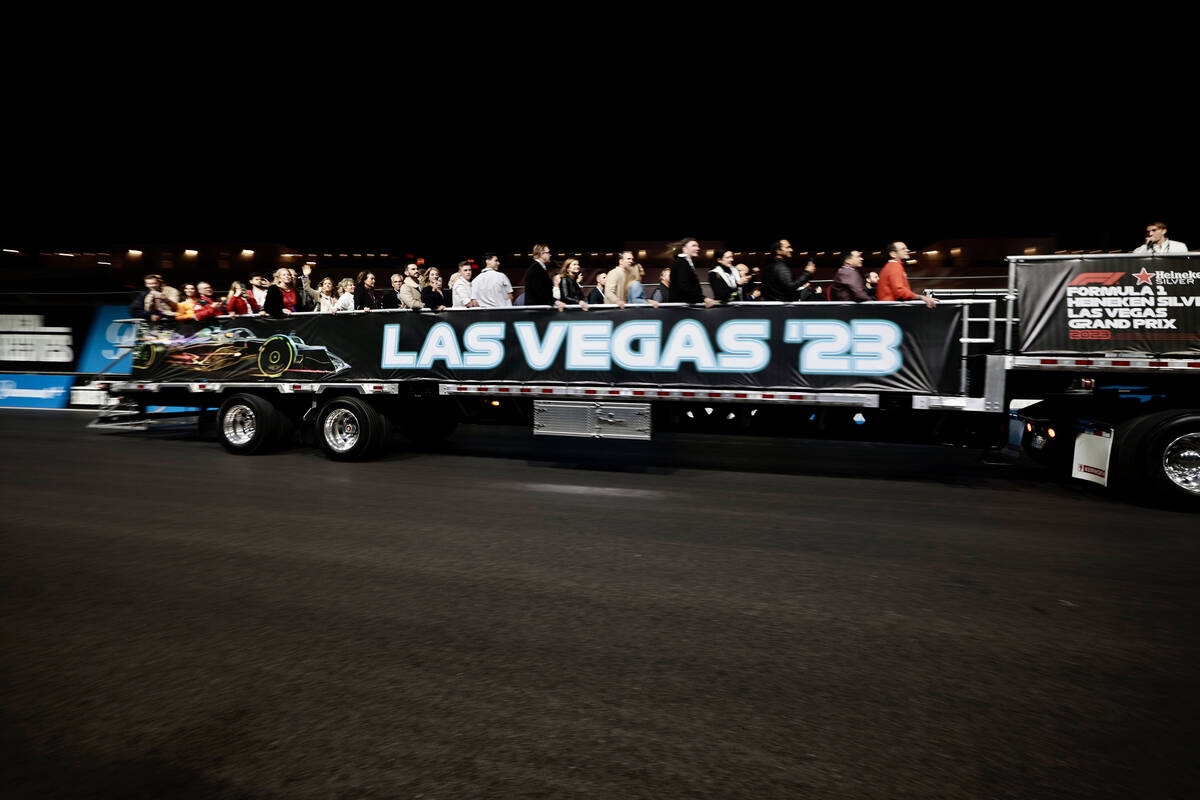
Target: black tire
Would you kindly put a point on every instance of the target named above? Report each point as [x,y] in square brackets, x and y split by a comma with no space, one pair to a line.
[248,425]
[1157,458]
[350,429]
[276,355]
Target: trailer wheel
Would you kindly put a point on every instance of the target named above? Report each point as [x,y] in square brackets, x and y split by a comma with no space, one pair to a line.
[350,429]
[1160,454]
[247,425]
[276,355]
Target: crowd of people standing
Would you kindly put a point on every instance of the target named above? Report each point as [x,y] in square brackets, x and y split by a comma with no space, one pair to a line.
[290,291]
[548,284]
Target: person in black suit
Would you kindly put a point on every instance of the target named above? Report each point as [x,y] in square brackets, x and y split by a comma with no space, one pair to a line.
[596,296]
[390,298]
[539,288]
[778,283]
[685,284]
[725,280]
[364,292]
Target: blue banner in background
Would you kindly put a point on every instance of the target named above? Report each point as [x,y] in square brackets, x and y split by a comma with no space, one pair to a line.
[35,391]
[108,340]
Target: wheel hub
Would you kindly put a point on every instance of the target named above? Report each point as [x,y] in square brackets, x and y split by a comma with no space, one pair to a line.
[1181,462]
[341,430]
[240,425]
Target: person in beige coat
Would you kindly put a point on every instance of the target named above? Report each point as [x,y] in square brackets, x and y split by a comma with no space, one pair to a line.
[410,290]
[618,280]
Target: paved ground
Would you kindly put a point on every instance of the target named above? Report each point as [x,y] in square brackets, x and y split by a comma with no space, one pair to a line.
[512,617]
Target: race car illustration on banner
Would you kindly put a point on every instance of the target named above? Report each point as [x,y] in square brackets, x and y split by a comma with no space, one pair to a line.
[235,352]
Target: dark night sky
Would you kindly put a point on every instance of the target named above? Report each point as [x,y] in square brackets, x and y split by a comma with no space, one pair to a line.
[469,188]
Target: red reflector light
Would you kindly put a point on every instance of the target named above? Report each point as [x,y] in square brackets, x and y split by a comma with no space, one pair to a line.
[1048,361]
[714,394]
[638,393]
[742,395]
[1158,363]
[547,391]
[1122,363]
[589,391]
[1083,362]
[295,387]
[502,389]
[687,394]
[664,394]
[1194,363]
[525,390]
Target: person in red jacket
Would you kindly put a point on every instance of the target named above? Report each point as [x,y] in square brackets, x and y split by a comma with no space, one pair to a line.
[239,301]
[893,280]
[206,307]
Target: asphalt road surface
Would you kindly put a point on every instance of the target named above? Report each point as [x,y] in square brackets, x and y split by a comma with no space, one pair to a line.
[520,617]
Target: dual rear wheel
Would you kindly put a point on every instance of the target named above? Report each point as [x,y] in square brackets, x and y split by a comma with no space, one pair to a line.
[347,427]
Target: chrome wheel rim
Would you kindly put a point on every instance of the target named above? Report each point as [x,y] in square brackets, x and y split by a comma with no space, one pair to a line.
[341,430]
[1181,462]
[240,425]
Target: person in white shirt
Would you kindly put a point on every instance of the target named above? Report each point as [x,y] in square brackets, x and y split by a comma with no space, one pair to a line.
[1157,242]
[460,285]
[346,301]
[492,288]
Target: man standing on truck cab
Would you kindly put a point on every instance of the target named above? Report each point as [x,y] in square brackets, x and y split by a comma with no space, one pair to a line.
[1157,242]
[893,280]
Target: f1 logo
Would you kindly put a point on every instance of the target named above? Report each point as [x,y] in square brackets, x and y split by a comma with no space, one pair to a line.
[1102,278]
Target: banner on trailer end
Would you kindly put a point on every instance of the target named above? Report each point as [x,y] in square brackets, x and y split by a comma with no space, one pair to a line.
[868,347]
[1142,305]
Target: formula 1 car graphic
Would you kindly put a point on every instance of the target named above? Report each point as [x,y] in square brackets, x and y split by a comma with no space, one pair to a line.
[235,352]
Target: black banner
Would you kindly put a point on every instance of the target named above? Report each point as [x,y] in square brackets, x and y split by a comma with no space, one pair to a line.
[1145,305]
[888,347]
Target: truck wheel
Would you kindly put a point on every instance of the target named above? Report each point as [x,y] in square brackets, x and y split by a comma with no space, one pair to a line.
[276,355]
[1159,454]
[247,424]
[350,429]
